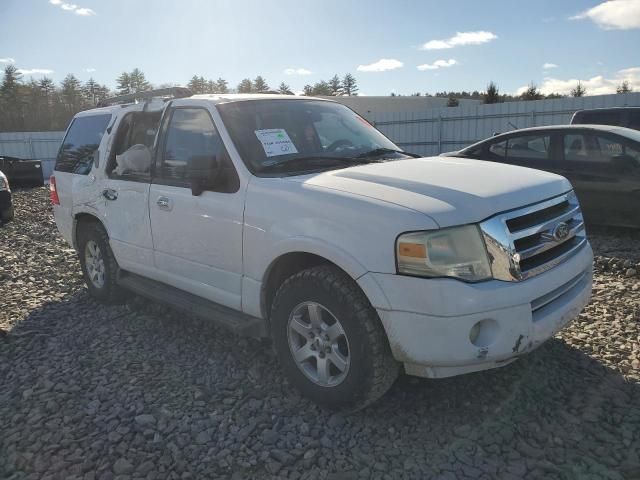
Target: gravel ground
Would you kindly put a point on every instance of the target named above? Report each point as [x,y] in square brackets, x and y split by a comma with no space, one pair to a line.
[139,391]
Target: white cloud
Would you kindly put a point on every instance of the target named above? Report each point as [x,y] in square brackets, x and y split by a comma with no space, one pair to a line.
[89,70]
[72,7]
[297,71]
[438,64]
[547,66]
[613,14]
[35,71]
[459,39]
[85,12]
[381,65]
[7,60]
[598,85]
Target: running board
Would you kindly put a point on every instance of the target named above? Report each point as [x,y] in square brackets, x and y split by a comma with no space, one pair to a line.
[233,320]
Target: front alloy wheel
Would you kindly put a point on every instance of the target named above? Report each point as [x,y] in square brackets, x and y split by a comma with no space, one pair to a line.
[318,344]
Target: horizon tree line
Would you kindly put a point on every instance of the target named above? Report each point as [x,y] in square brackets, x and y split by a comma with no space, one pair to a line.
[41,105]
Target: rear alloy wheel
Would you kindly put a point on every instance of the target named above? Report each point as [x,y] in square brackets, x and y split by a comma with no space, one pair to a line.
[99,266]
[329,339]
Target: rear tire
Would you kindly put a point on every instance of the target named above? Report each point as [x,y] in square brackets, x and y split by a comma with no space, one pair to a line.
[330,341]
[99,266]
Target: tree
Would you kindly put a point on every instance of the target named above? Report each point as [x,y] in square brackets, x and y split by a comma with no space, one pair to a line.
[579,91]
[624,87]
[245,86]
[492,95]
[336,86]
[89,91]
[72,93]
[553,95]
[531,93]
[308,90]
[321,88]
[349,85]
[452,102]
[124,84]
[284,89]
[221,86]
[197,84]
[260,85]
[138,81]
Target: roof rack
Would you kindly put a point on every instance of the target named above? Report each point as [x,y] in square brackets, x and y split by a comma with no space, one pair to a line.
[174,92]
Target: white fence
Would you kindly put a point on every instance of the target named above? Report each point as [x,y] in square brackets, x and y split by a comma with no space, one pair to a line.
[445,129]
[41,146]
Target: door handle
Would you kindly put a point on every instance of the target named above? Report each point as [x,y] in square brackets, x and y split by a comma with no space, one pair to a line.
[163,203]
[110,194]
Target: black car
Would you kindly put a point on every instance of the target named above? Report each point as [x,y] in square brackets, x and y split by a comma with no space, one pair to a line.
[602,162]
[6,205]
[21,171]
[628,117]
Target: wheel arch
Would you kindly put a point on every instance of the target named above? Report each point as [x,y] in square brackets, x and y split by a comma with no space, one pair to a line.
[80,219]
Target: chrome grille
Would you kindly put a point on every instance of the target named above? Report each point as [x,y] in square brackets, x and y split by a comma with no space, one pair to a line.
[528,241]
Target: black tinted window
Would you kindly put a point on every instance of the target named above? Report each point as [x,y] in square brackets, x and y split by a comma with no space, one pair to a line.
[534,147]
[191,133]
[601,118]
[81,144]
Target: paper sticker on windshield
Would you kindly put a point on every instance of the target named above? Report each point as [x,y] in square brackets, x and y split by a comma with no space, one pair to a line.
[275,141]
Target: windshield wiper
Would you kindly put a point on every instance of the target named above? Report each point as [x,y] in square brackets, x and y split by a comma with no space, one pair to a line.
[313,159]
[376,152]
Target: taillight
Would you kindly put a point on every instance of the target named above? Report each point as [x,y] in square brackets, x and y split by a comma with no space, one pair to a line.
[53,191]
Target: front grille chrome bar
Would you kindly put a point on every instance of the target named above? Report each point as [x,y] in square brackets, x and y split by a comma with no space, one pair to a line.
[528,241]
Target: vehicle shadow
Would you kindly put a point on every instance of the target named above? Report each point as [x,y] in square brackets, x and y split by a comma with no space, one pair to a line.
[556,413]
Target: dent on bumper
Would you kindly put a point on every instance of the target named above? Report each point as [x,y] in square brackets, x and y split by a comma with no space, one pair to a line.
[429,323]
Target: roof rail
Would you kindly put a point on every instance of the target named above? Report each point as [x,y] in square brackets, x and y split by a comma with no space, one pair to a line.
[174,92]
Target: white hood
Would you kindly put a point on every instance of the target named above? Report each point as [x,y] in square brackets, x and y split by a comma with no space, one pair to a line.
[452,191]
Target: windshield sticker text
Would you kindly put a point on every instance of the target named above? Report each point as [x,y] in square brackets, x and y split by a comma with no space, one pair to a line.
[275,141]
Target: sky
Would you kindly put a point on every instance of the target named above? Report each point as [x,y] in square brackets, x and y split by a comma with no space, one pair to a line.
[397,46]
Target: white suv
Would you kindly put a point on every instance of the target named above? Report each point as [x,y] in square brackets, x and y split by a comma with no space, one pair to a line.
[294,218]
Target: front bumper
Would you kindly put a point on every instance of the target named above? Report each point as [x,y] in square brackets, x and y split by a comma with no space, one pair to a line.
[444,327]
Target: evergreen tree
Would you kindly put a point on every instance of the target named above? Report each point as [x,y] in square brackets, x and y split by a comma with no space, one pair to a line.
[321,88]
[197,84]
[284,89]
[349,85]
[624,87]
[336,86]
[492,94]
[260,85]
[124,84]
[531,93]
[308,90]
[72,93]
[452,102]
[221,86]
[245,86]
[138,82]
[89,91]
[579,91]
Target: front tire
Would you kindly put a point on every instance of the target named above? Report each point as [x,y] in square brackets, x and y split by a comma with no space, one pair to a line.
[329,339]
[99,266]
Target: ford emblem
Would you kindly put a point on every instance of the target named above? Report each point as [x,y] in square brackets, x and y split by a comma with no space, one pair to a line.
[561,231]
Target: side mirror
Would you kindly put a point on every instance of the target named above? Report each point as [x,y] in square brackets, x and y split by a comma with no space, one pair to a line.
[202,173]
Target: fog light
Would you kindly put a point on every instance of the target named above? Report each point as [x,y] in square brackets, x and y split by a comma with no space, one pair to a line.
[484,333]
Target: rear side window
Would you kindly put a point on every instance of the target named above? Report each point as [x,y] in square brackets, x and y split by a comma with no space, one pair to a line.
[81,143]
[498,151]
[600,118]
[529,147]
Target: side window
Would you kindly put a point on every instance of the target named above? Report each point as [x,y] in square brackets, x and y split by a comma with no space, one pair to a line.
[498,151]
[634,119]
[81,143]
[580,147]
[529,147]
[190,133]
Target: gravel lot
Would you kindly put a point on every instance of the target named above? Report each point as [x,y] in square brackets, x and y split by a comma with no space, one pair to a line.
[139,391]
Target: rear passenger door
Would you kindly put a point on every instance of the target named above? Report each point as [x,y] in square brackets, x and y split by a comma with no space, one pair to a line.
[197,239]
[605,172]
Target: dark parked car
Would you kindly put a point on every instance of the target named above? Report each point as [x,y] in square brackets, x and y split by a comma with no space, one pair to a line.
[21,171]
[617,116]
[602,162]
[6,205]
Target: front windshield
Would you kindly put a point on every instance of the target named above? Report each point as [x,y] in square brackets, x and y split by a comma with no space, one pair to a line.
[302,135]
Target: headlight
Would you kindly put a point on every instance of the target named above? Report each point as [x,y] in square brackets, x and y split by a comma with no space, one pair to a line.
[4,184]
[457,252]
